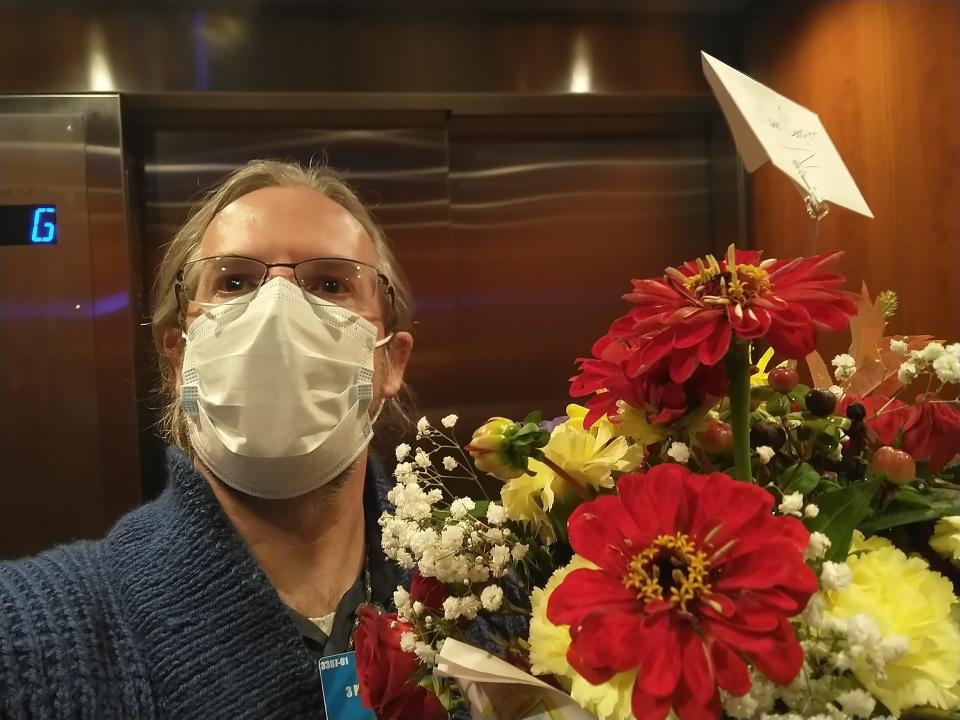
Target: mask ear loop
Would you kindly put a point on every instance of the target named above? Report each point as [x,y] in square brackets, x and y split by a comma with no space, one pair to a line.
[383,401]
[376,415]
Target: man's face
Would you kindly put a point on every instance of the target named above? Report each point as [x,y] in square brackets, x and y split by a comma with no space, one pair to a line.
[288,225]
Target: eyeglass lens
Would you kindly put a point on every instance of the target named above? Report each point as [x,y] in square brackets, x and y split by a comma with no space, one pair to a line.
[219,280]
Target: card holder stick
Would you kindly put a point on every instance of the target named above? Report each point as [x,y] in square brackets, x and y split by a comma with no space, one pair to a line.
[817,207]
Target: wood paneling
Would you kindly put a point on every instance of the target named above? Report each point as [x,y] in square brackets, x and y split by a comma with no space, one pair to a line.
[884,76]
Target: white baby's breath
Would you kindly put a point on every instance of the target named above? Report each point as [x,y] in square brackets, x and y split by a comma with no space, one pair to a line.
[931,352]
[449,464]
[907,372]
[900,347]
[679,452]
[845,366]
[817,546]
[461,507]
[496,514]
[402,451]
[947,368]
[857,703]
[408,641]
[491,598]
[835,576]
[449,421]
[765,454]
[792,504]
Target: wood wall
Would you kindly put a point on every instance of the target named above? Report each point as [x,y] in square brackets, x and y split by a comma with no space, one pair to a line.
[884,76]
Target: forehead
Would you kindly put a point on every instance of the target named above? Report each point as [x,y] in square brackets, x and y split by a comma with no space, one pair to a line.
[287,225]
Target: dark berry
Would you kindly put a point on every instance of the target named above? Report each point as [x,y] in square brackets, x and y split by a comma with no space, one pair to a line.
[769,434]
[821,402]
[856,412]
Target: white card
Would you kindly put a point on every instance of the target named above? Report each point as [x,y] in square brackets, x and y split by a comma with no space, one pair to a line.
[491,686]
[769,126]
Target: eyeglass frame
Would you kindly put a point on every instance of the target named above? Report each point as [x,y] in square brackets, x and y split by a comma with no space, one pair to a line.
[179,284]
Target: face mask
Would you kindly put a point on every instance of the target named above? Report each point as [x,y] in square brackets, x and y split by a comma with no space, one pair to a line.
[277,390]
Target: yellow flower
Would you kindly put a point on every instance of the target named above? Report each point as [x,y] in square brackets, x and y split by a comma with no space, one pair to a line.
[946,538]
[633,423]
[906,599]
[531,496]
[548,656]
[588,457]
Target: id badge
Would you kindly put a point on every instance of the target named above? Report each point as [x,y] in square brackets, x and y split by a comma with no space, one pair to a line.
[341,689]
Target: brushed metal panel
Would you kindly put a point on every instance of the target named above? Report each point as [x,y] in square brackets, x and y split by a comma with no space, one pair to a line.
[550,226]
[401,172]
[48,422]
[70,460]
[550,218]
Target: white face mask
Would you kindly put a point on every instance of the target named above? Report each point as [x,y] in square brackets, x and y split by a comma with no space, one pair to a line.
[277,390]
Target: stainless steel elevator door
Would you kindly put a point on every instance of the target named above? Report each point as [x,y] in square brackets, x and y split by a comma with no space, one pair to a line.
[551,220]
[520,234]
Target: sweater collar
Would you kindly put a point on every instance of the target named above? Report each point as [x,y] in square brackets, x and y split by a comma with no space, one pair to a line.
[212,627]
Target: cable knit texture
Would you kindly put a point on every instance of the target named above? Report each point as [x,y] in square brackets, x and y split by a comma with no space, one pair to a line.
[169,616]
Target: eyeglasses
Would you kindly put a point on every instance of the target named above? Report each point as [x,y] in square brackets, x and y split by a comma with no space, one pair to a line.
[213,281]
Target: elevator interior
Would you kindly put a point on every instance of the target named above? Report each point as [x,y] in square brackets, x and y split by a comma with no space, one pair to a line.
[520,209]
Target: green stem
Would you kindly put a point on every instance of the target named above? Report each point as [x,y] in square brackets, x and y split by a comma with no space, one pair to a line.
[738,370]
[567,478]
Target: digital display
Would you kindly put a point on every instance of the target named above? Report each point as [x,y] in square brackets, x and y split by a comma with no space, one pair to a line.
[28,224]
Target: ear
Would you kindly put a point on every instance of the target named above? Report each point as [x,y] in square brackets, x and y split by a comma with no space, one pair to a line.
[173,350]
[399,349]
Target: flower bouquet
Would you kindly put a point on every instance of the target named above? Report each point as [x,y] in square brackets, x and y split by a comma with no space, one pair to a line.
[704,536]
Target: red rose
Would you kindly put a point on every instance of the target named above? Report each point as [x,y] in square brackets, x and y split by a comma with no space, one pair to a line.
[428,590]
[386,673]
[887,424]
[932,431]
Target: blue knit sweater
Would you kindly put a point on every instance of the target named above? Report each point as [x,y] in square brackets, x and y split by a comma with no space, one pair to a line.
[168,616]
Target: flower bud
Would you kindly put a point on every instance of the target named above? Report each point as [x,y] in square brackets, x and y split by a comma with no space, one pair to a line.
[716,437]
[894,466]
[502,447]
[783,379]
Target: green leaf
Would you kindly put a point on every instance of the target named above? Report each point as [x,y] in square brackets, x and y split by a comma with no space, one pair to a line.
[911,506]
[841,512]
[805,479]
[533,417]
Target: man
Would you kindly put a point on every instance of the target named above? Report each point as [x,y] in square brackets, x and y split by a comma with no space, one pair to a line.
[282,320]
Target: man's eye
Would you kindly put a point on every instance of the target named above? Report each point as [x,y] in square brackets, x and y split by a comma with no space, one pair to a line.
[327,286]
[235,284]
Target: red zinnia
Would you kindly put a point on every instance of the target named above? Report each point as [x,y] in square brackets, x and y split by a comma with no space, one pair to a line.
[692,313]
[605,378]
[694,575]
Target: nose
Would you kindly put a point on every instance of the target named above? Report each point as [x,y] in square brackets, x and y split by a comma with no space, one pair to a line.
[285,272]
